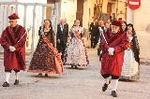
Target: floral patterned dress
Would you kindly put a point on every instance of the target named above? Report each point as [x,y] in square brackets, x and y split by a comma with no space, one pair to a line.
[130,69]
[45,58]
[76,54]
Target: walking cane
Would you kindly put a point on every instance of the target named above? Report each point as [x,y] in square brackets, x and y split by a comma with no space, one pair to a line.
[104,37]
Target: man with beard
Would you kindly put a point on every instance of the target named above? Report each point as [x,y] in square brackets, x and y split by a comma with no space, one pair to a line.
[113,44]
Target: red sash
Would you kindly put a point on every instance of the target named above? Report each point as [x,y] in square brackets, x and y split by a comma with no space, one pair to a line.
[58,60]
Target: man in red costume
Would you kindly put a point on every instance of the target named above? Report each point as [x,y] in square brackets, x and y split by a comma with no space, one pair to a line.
[13,41]
[114,42]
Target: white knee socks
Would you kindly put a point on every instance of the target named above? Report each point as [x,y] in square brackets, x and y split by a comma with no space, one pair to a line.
[17,75]
[7,76]
[107,80]
[114,84]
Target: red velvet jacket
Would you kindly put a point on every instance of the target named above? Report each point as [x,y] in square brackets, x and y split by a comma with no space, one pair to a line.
[112,64]
[14,37]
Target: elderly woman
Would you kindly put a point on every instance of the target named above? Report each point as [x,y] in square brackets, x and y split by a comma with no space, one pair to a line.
[76,54]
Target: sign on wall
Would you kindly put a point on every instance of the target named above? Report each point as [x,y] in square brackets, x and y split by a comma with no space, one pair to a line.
[134,4]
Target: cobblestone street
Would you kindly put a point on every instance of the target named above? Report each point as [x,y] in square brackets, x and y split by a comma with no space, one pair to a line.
[82,83]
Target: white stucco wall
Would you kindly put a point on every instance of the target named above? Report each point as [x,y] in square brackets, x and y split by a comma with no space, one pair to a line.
[121,10]
[104,6]
[140,17]
[68,10]
[88,12]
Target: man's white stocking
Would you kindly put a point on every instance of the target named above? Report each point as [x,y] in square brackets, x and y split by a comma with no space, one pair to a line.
[7,76]
[114,83]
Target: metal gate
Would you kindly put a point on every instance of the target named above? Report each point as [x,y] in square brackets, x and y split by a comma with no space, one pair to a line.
[31,17]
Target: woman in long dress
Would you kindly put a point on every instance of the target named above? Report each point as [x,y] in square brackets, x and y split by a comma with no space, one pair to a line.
[46,58]
[76,54]
[131,69]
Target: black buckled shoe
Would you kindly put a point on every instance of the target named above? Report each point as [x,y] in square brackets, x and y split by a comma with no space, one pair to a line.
[5,84]
[16,82]
[104,88]
[114,93]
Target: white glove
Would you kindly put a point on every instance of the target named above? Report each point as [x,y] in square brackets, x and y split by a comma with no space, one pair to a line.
[111,51]
[12,48]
